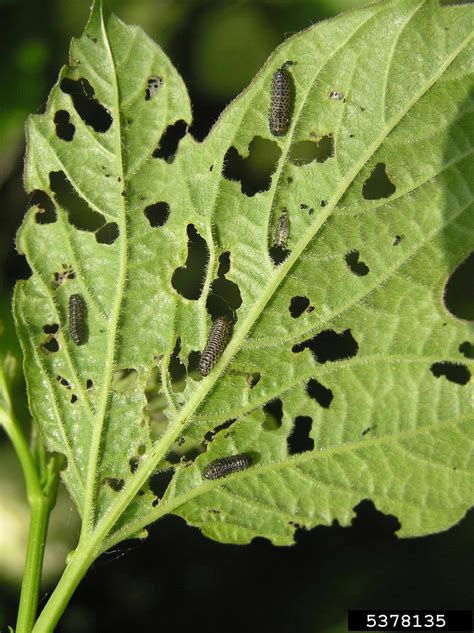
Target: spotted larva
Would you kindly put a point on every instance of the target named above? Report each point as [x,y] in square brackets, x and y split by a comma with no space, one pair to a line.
[281,101]
[226,466]
[77,319]
[282,229]
[216,343]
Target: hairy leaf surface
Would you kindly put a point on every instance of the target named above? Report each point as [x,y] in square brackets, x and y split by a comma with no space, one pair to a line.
[344,377]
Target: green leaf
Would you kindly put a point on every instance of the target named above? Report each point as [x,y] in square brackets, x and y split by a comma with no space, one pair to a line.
[348,336]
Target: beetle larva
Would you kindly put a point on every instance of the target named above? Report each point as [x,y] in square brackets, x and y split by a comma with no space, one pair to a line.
[77,319]
[281,101]
[216,344]
[282,229]
[226,466]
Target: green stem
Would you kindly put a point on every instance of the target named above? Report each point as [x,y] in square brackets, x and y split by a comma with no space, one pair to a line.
[41,499]
[41,505]
[76,569]
[40,510]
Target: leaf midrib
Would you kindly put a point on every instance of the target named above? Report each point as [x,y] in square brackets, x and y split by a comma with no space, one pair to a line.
[98,424]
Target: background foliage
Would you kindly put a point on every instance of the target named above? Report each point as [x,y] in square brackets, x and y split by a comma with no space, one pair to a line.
[330,566]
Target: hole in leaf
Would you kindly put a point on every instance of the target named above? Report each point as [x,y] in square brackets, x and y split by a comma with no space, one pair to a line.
[185,458]
[108,233]
[396,240]
[114,483]
[176,368]
[65,130]
[80,214]
[179,455]
[89,384]
[50,329]
[299,440]
[224,264]
[124,379]
[298,305]
[253,379]
[273,414]
[169,141]
[157,214]
[224,297]
[209,436]
[193,362]
[278,254]
[87,106]
[378,184]
[319,392]
[46,213]
[357,267]
[153,382]
[133,463]
[66,273]
[153,84]
[298,527]
[467,349]
[159,482]
[51,345]
[305,152]
[189,279]
[329,345]
[73,398]
[63,382]
[454,372]
[254,172]
[62,460]
[458,295]
[368,429]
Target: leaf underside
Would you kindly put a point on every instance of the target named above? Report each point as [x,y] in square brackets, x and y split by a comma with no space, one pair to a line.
[338,378]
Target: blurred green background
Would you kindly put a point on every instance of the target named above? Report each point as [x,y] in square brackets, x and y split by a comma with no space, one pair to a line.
[178,578]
